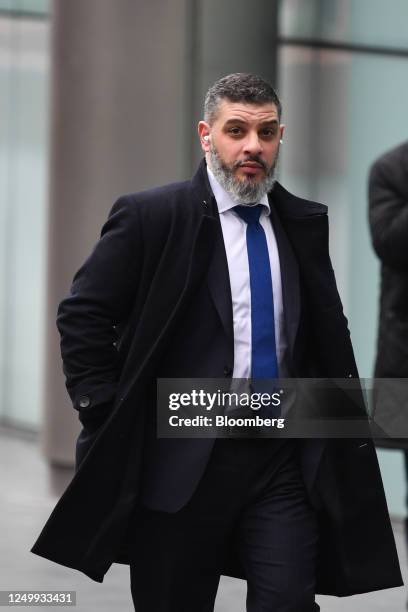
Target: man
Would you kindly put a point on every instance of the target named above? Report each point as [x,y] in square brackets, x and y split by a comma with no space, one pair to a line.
[227,275]
[388,216]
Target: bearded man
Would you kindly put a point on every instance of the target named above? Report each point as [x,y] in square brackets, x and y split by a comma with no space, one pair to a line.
[224,276]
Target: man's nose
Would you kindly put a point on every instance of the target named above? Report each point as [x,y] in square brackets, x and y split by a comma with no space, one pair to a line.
[252,145]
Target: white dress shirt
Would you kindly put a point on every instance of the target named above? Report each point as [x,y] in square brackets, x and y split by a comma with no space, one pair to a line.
[234,234]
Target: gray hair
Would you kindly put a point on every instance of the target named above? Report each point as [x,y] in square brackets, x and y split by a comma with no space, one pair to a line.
[239,87]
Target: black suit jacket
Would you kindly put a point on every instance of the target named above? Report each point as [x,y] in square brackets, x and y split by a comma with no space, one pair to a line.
[153,300]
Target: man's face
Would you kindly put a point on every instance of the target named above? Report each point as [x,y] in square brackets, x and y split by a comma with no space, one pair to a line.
[242,148]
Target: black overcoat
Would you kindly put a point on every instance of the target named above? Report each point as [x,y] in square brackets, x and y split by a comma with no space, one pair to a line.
[154,253]
[388,217]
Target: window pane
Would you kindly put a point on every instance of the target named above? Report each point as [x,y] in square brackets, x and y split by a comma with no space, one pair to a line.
[31,6]
[23,173]
[369,22]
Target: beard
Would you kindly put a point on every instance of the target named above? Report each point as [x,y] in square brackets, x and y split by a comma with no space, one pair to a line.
[245,191]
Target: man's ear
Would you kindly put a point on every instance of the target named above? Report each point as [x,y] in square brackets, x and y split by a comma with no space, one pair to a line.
[204,133]
[282,128]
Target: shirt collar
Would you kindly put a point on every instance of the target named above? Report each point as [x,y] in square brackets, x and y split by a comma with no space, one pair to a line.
[223,198]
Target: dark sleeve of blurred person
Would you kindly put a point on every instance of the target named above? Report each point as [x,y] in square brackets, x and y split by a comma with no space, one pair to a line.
[388,217]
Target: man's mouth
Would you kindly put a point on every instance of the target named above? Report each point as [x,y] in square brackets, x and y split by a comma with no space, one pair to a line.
[250,167]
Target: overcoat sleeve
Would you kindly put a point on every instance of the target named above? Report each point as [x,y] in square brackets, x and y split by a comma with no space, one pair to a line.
[388,210]
[101,298]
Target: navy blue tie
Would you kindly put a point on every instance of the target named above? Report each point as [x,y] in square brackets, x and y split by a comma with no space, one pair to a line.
[264,360]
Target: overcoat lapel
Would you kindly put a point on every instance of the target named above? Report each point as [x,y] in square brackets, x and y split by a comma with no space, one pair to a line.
[219,282]
[290,281]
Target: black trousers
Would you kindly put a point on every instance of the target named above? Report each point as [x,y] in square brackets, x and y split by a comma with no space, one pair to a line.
[252,498]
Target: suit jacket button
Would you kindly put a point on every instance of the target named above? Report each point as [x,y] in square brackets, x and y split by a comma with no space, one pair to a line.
[84,401]
[227,371]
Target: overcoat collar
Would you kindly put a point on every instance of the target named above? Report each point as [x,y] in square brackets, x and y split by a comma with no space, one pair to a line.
[288,206]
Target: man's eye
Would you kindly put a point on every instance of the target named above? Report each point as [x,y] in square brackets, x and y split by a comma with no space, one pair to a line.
[235,131]
[268,132]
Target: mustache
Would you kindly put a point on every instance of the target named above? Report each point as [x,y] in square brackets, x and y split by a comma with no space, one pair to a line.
[251,158]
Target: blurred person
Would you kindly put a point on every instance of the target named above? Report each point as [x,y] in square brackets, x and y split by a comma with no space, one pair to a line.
[224,276]
[388,217]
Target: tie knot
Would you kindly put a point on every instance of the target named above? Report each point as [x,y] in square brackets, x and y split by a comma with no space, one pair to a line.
[250,214]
